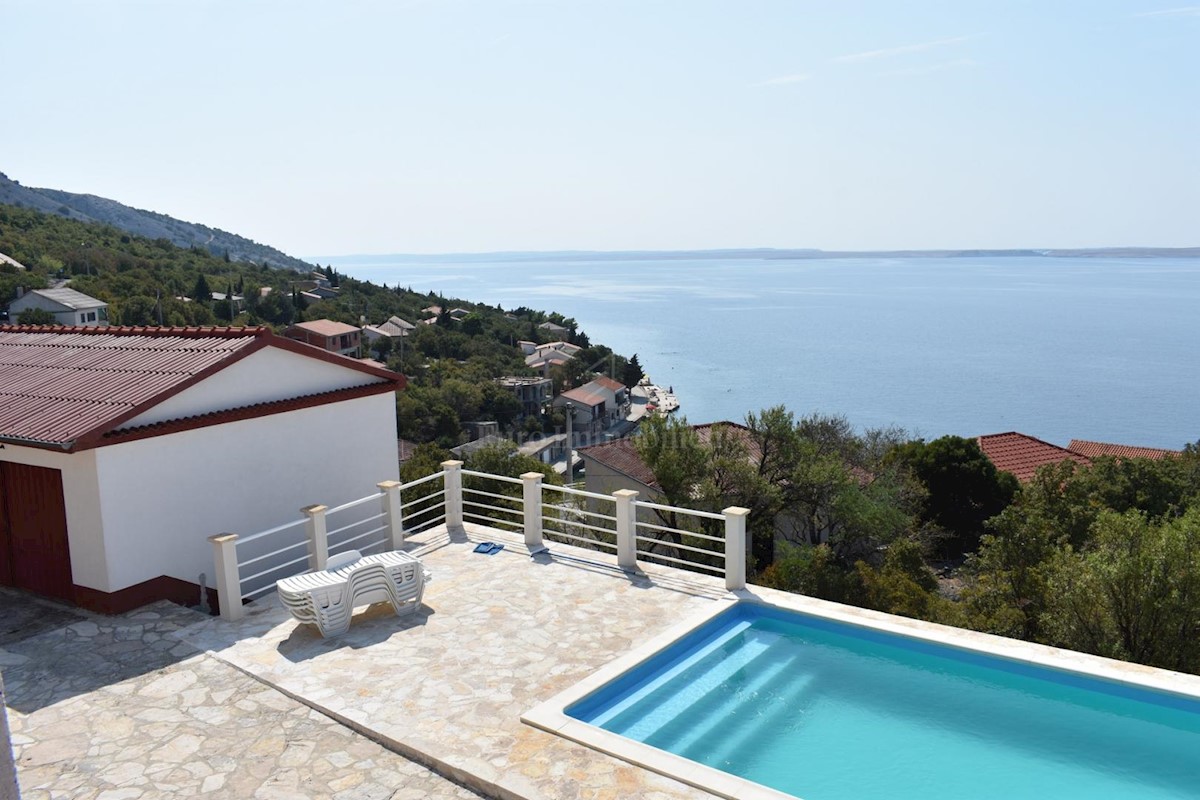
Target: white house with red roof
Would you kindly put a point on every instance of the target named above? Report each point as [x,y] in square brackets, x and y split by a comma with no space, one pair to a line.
[327,334]
[123,449]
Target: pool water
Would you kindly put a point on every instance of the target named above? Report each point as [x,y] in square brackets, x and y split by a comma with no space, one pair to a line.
[829,711]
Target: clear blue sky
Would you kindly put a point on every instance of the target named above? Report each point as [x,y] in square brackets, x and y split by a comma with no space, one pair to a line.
[347,127]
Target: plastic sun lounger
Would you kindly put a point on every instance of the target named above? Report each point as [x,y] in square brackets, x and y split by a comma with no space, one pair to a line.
[327,598]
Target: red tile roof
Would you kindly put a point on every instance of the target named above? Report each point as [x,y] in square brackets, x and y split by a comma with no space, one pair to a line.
[582,395]
[66,387]
[622,455]
[1022,455]
[1098,449]
[609,383]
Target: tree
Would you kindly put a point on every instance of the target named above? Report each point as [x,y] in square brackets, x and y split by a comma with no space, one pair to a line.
[1133,592]
[964,489]
[200,292]
[138,310]
[36,316]
[632,372]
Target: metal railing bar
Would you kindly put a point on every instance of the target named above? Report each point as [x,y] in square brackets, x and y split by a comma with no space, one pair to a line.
[684,562]
[583,539]
[516,511]
[609,531]
[482,493]
[431,477]
[421,527]
[580,492]
[292,546]
[424,511]
[243,539]
[341,547]
[573,510]
[353,503]
[344,542]
[690,511]
[491,477]
[248,578]
[681,531]
[665,543]
[253,595]
[435,495]
[490,520]
[363,521]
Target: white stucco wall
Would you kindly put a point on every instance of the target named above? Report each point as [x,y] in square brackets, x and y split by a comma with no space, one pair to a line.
[81,491]
[270,374]
[162,497]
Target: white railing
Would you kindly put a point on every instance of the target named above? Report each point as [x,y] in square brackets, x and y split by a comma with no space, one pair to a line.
[247,567]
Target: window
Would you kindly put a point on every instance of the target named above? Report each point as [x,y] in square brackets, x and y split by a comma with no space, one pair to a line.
[83,317]
[91,317]
[103,314]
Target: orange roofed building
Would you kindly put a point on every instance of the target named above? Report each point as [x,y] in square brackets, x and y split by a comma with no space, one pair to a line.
[1098,449]
[1022,455]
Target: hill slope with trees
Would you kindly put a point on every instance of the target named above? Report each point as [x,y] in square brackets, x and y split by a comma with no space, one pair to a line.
[149,224]
[452,364]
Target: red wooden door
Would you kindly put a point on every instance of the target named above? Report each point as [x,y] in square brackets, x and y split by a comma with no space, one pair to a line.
[33,531]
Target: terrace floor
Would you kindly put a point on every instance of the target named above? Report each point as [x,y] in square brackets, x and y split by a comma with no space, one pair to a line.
[167,702]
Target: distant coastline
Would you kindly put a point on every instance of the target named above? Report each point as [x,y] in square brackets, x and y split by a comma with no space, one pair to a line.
[765,253]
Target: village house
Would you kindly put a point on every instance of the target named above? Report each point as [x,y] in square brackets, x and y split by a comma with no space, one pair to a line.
[336,337]
[594,407]
[68,306]
[1101,449]
[1022,454]
[555,330]
[532,393]
[123,449]
[393,328]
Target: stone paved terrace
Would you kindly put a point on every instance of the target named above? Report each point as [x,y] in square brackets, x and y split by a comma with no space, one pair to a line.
[118,708]
[497,635]
[167,702]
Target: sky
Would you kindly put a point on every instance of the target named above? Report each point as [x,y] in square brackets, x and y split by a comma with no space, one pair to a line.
[331,128]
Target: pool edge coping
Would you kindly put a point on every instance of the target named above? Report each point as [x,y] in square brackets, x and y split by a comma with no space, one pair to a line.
[550,715]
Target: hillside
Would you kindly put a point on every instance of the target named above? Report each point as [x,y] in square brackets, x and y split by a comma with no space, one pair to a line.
[151,225]
[452,365]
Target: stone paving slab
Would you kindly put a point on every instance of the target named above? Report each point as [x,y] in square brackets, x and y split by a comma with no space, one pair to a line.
[118,708]
[496,636]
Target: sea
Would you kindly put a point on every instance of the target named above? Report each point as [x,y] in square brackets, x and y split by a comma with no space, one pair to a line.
[1106,349]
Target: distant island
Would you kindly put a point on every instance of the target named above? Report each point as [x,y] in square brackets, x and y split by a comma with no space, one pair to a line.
[765,253]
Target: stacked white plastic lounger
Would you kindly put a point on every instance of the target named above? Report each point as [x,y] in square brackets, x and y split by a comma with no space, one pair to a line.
[327,598]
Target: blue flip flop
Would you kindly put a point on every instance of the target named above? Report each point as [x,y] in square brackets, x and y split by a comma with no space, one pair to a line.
[496,548]
[486,547]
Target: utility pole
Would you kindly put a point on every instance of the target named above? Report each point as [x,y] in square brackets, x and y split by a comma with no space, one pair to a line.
[570,444]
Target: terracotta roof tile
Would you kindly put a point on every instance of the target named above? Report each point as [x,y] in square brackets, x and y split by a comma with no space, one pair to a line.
[609,383]
[622,455]
[582,395]
[1022,455]
[1098,449]
[61,385]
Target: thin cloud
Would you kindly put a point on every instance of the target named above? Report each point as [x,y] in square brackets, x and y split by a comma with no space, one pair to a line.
[959,63]
[783,80]
[899,51]
[1186,11]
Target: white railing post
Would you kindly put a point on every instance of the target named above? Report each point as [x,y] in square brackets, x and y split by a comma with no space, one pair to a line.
[626,529]
[318,539]
[454,497]
[735,547]
[395,516]
[531,495]
[229,582]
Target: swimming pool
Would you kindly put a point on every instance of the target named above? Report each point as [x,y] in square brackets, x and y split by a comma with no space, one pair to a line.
[825,710]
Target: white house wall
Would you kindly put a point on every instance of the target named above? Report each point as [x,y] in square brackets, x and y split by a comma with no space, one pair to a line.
[269,374]
[81,491]
[162,497]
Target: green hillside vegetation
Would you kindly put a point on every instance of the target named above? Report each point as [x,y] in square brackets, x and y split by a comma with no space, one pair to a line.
[1103,559]
[451,364]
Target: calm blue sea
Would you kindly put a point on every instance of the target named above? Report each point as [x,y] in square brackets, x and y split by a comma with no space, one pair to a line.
[1104,349]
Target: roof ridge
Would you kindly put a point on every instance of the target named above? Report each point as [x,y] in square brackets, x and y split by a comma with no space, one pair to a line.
[187,332]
